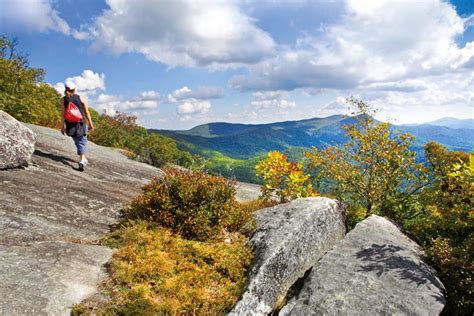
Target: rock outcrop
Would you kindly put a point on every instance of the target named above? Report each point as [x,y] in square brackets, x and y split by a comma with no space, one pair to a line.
[375,270]
[50,216]
[17,142]
[247,191]
[289,239]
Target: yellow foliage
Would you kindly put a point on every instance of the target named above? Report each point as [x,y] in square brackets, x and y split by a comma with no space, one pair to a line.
[157,272]
[285,178]
[373,169]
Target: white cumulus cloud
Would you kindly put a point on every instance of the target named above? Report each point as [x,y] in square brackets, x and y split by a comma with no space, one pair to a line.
[110,104]
[272,100]
[194,102]
[88,82]
[201,93]
[193,106]
[443,95]
[270,95]
[373,42]
[182,32]
[34,15]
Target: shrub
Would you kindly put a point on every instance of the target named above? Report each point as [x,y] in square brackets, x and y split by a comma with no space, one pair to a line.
[156,272]
[122,131]
[285,178]
[193,204]
[455,265]
[445,224]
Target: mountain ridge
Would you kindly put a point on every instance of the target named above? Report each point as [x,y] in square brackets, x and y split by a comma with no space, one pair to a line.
[242,141]
[234,149]
[450,122]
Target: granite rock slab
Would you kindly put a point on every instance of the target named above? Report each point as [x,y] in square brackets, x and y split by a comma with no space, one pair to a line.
[51,215]
[289,239]
[374,270]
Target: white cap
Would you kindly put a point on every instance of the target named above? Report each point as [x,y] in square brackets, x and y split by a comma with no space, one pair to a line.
[70,85]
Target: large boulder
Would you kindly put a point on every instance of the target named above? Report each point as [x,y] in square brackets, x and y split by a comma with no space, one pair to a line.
[17,142]
[290,238]
[375,270]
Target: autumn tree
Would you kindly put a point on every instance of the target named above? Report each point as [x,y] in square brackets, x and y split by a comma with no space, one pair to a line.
[444,223]
[285,178]
[373,171]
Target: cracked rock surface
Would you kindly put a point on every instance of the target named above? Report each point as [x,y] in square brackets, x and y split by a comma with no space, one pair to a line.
[50,216]
[374,270]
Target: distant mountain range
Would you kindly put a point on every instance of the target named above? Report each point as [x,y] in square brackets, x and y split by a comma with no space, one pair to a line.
[242,141]
[450,122]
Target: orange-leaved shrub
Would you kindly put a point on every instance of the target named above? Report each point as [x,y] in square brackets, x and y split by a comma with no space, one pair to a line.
[193,204]
[181,251]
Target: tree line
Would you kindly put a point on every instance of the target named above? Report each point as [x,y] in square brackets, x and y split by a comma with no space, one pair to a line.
[25,96]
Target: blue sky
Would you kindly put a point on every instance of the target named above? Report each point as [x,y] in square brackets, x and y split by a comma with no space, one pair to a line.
[178,63]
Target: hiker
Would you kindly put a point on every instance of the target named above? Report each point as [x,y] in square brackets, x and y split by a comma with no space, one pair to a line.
[74,110]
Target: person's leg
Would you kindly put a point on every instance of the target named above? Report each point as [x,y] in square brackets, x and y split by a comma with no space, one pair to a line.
[81,143]
[82,157]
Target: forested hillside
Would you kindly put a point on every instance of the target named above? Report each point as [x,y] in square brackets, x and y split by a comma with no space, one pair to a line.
[234,149]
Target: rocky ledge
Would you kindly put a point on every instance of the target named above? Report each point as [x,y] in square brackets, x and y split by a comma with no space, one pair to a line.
[50,216]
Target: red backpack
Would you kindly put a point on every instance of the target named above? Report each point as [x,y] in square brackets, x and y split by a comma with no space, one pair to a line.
[72,114]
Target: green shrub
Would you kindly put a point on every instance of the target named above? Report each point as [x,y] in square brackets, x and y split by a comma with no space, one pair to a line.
[194,204]
[455,266]
[122,131]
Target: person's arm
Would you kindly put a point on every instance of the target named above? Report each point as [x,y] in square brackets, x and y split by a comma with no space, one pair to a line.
[63,121]
[86,109]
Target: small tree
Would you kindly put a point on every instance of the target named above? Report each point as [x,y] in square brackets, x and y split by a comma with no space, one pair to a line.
[286,178]
[374,170]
